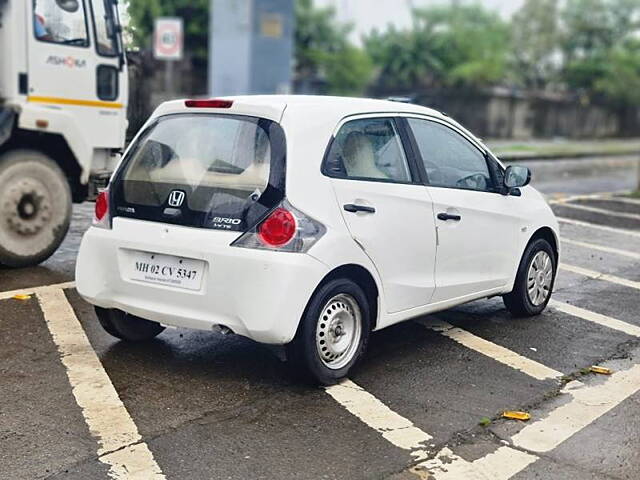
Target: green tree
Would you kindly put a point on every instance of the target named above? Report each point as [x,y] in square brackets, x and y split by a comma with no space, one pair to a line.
[535,44]
[620,76]
[456,45]
[323,50]
[405,58]
[593,30]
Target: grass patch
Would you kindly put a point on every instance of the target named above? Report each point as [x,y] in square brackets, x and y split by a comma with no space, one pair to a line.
[484,422]
[635,194]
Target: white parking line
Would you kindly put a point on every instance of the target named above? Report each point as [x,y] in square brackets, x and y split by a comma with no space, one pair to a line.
[34,290]
[589,196]
[596,226]
[603,211]
[597,318]
[600,276]
[400,431]
[393,427]
[120,444]
[601,248]
[502,464]
[492,350]
[587,404]
[630,201]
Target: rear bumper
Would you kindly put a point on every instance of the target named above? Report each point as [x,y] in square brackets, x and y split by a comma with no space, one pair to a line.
[256,293]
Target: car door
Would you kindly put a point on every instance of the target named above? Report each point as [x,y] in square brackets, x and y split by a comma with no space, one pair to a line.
[386,209]
[477,226]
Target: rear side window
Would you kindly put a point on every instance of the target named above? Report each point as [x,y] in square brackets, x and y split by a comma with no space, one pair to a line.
[368,149]
[227,171]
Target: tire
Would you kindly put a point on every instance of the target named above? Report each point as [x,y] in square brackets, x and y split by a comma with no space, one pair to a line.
[333,332]
[35,208]
[127,327]
[538,268]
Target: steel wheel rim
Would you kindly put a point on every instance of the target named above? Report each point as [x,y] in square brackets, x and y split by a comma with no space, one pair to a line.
[539,278]
[338,331]
[27,207]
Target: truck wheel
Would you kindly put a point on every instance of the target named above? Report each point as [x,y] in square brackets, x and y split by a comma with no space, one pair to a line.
[35,208]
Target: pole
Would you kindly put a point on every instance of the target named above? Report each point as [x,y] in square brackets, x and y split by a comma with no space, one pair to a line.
[168,78]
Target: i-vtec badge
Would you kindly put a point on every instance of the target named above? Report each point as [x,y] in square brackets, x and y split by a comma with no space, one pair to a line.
[224,222]
[176,198]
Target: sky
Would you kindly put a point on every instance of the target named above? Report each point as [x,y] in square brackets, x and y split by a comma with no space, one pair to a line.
[368,14]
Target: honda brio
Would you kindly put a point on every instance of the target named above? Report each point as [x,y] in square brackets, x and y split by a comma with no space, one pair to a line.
[310,222]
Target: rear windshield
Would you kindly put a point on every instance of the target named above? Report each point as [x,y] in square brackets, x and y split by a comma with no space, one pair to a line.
[212,171]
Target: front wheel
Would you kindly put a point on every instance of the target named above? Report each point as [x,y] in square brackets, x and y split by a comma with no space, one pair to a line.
[127,327]
[333,332]
[534,281]
[35,208]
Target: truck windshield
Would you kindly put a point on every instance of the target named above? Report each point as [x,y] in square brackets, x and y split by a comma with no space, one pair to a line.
[106,36]
[53,24]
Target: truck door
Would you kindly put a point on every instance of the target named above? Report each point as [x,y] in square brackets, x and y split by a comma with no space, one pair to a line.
[74,58]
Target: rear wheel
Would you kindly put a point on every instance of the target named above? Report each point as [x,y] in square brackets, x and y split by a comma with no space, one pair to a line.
[333,332]
[127,327]
[35,208]
[534,281]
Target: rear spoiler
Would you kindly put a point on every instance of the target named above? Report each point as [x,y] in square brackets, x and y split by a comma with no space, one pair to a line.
[238,106]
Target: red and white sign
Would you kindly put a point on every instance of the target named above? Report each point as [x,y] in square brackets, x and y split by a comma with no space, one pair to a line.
[168,38]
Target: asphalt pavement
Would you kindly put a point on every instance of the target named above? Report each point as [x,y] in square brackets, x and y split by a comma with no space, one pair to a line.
[426,403]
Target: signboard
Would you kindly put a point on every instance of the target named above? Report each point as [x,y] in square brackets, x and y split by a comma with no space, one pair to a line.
[168,38]
[271,25]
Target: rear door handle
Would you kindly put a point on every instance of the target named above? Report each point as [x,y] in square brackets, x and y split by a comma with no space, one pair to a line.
[350,207]
[447,216]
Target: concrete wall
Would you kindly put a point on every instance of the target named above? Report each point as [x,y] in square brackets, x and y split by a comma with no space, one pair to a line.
[501,113]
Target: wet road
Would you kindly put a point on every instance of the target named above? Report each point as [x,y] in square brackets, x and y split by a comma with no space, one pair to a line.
[585,175]
[76,404]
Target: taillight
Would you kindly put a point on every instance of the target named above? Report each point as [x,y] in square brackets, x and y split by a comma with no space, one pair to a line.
[285,229]
[209,103]
[278,228]
[101,213]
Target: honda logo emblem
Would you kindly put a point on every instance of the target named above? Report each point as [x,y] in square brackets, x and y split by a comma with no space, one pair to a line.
[176,198]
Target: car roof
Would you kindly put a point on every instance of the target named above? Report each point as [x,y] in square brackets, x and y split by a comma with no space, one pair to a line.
[273,107]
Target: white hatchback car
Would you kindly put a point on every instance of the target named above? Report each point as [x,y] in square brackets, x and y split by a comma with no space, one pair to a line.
[310,222]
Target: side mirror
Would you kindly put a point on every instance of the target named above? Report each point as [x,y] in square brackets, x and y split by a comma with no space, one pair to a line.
[70,6]
[516,176]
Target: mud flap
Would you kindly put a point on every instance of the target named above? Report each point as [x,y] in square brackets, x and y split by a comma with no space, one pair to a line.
[7,121]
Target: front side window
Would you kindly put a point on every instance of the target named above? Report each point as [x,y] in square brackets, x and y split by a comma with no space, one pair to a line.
[368,149]
[106,36]
[60,21]
[449,159]
[224,165]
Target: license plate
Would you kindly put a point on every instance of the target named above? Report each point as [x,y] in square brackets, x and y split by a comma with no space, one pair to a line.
[166,270]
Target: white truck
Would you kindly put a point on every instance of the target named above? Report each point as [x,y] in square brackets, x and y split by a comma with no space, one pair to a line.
[63,98]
